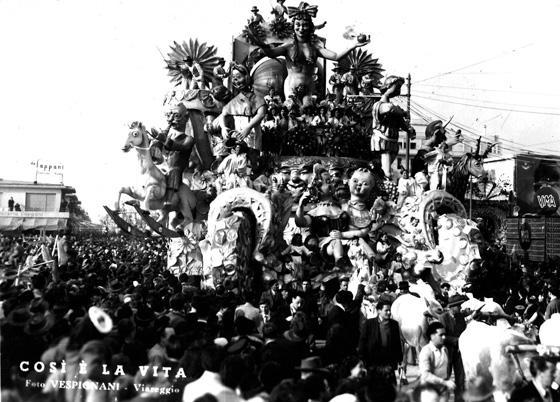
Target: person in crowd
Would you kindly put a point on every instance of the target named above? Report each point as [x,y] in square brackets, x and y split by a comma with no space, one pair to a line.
[553,305]
[210,381]
[539,388]
[380,341]
[433,360]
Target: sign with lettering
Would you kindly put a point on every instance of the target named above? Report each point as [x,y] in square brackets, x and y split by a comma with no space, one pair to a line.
[547,200]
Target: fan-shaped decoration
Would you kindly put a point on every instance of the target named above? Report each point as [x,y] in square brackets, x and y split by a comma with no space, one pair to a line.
[364,64]
[201,53]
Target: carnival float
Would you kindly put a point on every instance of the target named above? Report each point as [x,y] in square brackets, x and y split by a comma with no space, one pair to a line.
[270,167]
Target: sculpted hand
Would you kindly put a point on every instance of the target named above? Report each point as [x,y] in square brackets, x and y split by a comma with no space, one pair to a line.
[360,44]
[243,134]
[305,197]
[335,234]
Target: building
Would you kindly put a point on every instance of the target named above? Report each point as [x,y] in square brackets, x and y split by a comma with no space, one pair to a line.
[41,206]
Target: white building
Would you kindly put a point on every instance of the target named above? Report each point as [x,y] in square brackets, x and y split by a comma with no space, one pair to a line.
[40,205]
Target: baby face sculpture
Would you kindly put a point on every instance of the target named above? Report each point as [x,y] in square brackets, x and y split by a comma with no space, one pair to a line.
[361,184]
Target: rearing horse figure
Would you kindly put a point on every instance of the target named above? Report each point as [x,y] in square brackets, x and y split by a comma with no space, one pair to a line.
[469,164]
[152,193]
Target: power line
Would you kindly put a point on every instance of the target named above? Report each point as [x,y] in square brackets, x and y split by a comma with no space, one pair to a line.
[515,147]
[463,126]
[488,89]
[486,101]
[489,107]
[473,64]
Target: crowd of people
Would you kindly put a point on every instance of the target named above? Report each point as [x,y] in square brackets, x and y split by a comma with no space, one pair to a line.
[304,340]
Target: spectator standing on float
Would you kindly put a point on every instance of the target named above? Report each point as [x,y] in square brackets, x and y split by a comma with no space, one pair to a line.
[11,204]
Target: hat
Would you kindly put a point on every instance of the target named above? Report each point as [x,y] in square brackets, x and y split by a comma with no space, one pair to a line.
[345,398]
[238,346]
[18,317]
[432,127]
[389,81]
[116,286]
[311,364]
[39,324]
[479,389]
[404,285]
[456,300]
[100,319]
[255,9]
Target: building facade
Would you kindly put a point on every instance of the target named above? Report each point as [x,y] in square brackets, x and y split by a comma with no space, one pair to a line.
[29,205]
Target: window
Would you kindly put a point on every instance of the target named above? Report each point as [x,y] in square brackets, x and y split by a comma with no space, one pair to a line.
[40,202]
[412,145]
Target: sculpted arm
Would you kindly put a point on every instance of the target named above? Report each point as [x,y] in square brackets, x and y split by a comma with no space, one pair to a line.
[334,56]
[302,220]
[255,121]
[180,144]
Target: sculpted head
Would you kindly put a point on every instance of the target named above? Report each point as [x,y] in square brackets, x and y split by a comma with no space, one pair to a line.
[240,77]
[177,116]
[303,28]
[361,184]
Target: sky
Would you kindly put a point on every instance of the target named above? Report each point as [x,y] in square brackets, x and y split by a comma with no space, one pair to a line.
[74,73]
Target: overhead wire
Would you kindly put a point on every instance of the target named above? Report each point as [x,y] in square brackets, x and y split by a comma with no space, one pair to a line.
[426,114]
[485,101]
[489,107]
[505,53]
[489,90]
[473,134]
[519,146]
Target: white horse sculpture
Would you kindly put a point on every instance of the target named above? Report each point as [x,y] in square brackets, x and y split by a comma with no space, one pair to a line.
[152,193]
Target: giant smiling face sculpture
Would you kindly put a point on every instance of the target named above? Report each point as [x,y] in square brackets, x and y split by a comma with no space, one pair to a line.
[361,183]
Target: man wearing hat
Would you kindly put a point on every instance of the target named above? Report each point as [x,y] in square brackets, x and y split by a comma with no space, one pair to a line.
[220,73]
[350,81]
[454,323]
[337,84]
[311,365]
[256,18]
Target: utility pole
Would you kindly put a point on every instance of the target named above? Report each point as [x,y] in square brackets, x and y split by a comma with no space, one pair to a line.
[408,85]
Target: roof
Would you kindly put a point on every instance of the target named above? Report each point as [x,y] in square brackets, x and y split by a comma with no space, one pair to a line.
[19,183]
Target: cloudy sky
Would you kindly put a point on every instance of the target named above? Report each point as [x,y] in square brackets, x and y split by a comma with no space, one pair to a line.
[75,72]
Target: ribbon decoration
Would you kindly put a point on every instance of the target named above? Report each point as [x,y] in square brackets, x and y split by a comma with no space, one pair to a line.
[304,11]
